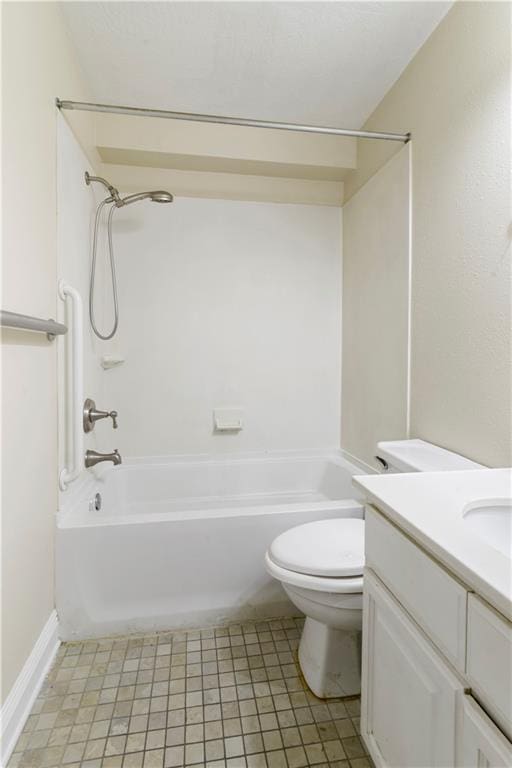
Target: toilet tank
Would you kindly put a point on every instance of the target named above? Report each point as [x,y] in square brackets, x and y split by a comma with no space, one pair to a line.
[420,456]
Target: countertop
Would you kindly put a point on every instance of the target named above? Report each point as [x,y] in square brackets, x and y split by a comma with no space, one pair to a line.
[428,506]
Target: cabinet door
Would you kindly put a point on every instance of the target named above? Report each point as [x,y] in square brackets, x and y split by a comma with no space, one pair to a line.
[409,695]
[481,744]
[490,673]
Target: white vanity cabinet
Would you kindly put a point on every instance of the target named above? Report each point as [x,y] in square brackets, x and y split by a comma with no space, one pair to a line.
[409,704]
[417,708]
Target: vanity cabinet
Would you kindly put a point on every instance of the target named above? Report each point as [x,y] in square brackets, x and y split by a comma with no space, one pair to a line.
[420,668]
[409,705]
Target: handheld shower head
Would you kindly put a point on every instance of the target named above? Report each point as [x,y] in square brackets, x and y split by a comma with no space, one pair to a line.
[114,201]
[161,197]
[157,196]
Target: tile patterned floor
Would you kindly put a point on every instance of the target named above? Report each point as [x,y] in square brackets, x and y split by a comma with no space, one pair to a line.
[230,697]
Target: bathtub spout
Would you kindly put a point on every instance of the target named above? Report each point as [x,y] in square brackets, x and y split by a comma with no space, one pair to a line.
[93,457]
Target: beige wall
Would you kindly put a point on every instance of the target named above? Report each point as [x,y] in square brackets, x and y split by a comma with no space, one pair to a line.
[226,186]
[376,311]
[206,160]
[455,99]
[222,161]
[209,146]
[37,65]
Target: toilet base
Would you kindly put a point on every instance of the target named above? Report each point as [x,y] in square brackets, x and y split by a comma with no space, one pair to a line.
[330,660]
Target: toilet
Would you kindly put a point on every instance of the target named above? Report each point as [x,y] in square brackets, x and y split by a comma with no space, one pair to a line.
[320,566]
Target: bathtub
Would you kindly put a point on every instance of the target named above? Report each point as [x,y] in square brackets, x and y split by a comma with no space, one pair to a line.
[180,542]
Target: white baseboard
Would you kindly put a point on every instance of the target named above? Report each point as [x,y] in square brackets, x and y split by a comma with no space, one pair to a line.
[22,695]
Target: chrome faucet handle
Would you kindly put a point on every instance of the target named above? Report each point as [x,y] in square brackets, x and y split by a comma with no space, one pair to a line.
[113,416]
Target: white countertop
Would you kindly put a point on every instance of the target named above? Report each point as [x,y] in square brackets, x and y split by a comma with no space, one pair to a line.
[428,506]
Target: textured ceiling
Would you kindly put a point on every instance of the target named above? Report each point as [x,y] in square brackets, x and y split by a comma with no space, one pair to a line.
[310,62]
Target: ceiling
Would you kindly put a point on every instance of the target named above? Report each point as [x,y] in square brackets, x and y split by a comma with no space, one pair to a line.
[307,62]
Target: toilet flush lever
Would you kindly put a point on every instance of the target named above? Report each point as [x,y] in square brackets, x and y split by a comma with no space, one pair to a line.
[383,463]
[92,415]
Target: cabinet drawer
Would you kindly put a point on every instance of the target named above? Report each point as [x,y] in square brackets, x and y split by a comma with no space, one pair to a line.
[479,742]
[489,660]
[432,597]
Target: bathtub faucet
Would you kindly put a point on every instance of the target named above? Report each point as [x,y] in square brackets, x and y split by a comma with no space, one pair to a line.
[93,457]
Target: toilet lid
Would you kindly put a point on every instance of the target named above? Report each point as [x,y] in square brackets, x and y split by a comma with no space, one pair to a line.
[323,548]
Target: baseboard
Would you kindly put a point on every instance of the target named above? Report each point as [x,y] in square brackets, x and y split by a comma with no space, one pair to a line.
[20,700]
[373,750]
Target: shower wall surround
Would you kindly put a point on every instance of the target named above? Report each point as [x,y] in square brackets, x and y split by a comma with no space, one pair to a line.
[227,304]
[222,304]
[76,204]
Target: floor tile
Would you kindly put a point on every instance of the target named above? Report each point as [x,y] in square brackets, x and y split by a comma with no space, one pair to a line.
[225,697]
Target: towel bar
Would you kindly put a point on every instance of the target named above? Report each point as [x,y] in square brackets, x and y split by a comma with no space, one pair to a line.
[29,323]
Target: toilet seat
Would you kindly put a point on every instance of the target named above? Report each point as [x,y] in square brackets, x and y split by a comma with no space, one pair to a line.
[331,548]
[327,548]
[334,584]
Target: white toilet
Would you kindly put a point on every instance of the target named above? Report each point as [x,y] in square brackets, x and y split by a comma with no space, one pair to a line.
[320,566]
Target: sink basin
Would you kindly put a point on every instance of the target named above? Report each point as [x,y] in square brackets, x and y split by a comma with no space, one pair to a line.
[491,521]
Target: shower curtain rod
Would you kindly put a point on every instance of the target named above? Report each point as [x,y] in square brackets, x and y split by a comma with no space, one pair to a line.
[116,109]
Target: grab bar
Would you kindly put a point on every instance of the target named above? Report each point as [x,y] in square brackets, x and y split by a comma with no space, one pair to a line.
[75,397]
[29,323]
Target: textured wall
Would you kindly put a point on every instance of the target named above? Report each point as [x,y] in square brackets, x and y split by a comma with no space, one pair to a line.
[455,98]
[37,64]
[376,311]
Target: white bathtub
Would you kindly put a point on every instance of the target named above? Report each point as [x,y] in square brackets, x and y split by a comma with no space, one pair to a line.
[180,541]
